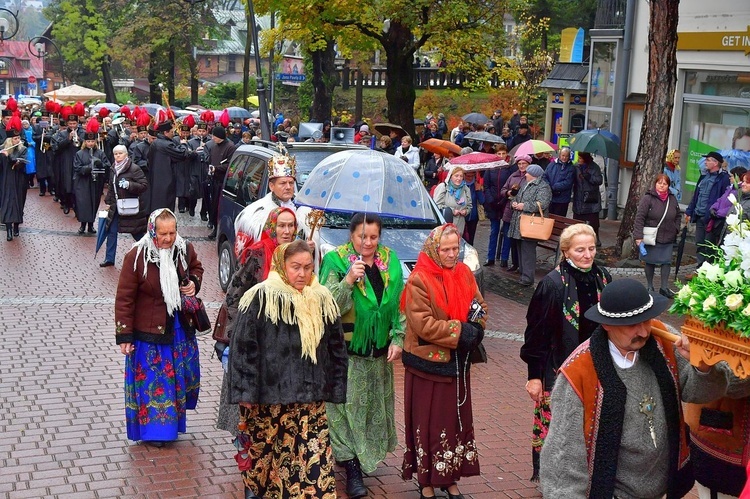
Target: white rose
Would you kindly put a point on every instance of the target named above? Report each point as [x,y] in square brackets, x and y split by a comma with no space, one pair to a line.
[685,292]
[709,303]
[693,302]
[733,301]
[733,279]
[714,273]
[746,310]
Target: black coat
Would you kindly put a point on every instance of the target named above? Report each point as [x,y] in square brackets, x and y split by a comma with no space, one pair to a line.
[162,181]
[138,153]
[650,210]
[134,224]
[88,186]
[43,160]
[188,173]
[494,180]
[65,151]
[13,186]
[586,182]
[266,364]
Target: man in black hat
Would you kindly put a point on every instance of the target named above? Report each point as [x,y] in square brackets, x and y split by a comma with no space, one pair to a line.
[219,152]
[711,186]
[197,144]
[66,143]
[138,148]
[42,136]
[163,154]
[617,428]
[187,175]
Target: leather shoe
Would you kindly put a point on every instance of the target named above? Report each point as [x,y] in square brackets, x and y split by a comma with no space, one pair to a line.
[212,235]
[666,292]
[204,217]
[66,210]
[489,263]
[249,494]
[513,268]
[503,264]
[106,264]
[81,230]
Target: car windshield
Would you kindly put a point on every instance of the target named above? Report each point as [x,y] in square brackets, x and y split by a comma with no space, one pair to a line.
[306,161]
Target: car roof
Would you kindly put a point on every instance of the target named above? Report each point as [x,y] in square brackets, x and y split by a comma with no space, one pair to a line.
[267,148]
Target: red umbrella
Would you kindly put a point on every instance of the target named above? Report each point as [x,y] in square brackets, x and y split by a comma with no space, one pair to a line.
[478,161]
[445,148]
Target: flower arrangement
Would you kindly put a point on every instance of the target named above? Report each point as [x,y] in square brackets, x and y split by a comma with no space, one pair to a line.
[720,292]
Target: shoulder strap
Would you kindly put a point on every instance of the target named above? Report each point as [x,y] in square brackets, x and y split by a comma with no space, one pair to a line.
[666,208]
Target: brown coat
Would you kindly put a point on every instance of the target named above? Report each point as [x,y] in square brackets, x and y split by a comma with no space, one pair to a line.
[140,311]
[650,211]
[430,334]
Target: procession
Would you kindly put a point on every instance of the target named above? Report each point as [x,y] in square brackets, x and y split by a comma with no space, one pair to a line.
[404,269]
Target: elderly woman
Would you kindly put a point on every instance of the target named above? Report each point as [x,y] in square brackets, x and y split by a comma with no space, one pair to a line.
[254,265]
[672,170]
[455,195]
[658,208]
[13,181]
[162,368]
[89,167]
[126,181]
[509,191]
[555,324]
[437,299]
[366,279]
[288,358]
[533,196]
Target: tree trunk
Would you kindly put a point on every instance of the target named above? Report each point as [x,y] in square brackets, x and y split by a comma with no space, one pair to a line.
[153,89]
[399,50]
[109,87]
[170,75]
[657,116]
[323,82]
[193,65]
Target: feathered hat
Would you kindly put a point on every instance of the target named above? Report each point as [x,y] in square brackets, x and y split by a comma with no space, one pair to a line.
[224,118]
[66,112]
[92,129]
[161,122]
[103,112]
[10,107]
[206,117]
[78,112]
[13,128]
[52,107]
[188,122]
[142,121]
[125,111]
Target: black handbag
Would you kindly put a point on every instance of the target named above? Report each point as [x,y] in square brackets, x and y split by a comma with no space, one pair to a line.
[478,355]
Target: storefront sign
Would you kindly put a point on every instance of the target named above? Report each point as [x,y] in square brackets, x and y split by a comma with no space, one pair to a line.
[736,41]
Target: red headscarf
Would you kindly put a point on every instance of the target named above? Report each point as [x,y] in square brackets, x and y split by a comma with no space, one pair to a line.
[454,288]
[267,241]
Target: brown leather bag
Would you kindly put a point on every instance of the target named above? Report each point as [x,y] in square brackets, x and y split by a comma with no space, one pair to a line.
[539,228]
[221,324]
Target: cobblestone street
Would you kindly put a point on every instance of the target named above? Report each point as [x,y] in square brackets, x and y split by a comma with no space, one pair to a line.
[61,389]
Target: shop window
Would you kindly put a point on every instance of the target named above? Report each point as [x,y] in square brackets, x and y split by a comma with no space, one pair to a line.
[602,83]
[718,83]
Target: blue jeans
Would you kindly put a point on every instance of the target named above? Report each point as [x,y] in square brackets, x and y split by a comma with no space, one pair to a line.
[494,234]
[506,247]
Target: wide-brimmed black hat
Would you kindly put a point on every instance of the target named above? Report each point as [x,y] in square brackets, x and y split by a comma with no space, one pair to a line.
[625,302]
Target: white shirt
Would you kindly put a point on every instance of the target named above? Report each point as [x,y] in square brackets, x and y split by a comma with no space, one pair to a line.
[622,361]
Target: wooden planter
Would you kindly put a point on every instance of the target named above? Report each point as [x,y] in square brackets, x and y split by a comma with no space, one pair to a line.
[712,345]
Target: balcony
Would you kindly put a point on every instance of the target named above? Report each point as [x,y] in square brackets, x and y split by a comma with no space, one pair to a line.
[610,14]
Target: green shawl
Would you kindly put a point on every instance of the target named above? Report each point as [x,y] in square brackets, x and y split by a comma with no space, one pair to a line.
[373,322]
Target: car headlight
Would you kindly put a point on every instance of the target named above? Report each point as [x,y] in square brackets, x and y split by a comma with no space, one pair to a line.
[471,257]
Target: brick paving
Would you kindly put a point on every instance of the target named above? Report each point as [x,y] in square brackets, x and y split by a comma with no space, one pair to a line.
[61,400]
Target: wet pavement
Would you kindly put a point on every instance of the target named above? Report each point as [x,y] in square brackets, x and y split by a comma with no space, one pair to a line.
[62,420]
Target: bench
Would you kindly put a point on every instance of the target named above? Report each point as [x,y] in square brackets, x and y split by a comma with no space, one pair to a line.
[553,243]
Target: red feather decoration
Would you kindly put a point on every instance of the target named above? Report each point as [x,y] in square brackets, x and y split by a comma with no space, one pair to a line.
[207,116]
[78,109]
[93,125]
[125,111]
[224,118]
[143,119]
[11,105]
[103,112]
[49,106]
[188,121]
[58,107]
[65,112]
[137,112]
[14,124]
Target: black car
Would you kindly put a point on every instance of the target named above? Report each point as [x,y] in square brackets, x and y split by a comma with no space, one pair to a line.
[247,181]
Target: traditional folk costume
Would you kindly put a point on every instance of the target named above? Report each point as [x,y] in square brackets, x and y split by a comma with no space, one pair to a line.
[287,359]
[162,375]
[363,430]
[439,428]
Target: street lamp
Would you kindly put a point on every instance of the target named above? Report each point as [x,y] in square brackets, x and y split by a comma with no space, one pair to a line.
[38,48]
[8,24]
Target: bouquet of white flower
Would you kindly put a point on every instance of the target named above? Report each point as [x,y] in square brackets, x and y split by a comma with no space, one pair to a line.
[720,292]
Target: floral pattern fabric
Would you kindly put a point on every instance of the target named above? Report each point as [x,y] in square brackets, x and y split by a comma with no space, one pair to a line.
[285,451]
[161,383]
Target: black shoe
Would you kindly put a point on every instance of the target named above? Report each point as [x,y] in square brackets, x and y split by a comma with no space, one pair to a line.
[191,213]
[92,230]
[15,230]
[210,225]
[106,264]
[666,292]
[10,233]
[212,235]
[249,494]
[66,210]
[41,193]
[181,210]
[204,217]
[55,199]
[155,443]
[355,486]
[513,268]
[650,289]
[503,264]
[489,263]
[81,230]
[452,496]
[524,283]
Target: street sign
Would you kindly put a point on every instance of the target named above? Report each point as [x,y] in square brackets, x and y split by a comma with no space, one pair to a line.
[32,79]
[43,84]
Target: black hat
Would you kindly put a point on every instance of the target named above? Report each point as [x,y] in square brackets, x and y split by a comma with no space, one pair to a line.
[184,128]
[202,125]
[72,117]
[152,132]
[7,112]
[625,302]
[165,126]
[713,154]
[219,132]
[142,128]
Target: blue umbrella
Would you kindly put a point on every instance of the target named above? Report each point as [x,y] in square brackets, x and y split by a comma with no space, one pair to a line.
[733,157]
[366,181]
[101,231]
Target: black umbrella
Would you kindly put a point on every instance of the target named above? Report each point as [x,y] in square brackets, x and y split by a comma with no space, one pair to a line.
[680,250]
[476,118]
[485,137]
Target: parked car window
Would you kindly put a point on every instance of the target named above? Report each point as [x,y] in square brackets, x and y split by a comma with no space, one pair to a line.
[234,174]
[251,180]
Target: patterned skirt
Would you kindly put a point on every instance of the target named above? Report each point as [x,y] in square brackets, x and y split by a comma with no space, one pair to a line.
[440,446]
[364,427]
[542,415]
[161,382]
[285,452]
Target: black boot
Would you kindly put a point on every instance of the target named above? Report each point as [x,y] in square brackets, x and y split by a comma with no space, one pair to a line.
[16,229]
[355,486]
[212,235]
[82,229]
[91,229]
[249,494]
[9,228]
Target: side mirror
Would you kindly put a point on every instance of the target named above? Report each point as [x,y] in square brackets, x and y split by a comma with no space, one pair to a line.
[448,215]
